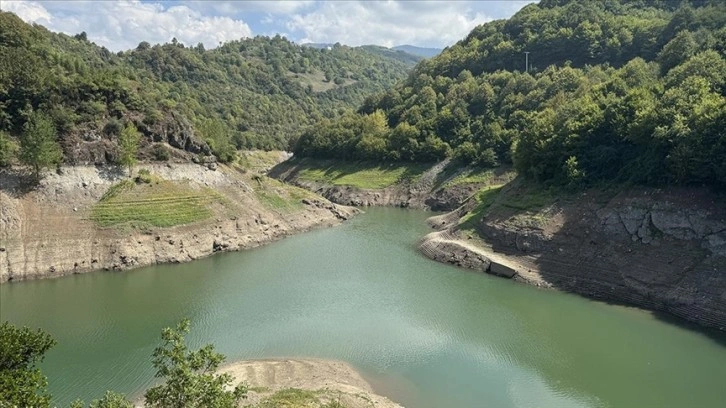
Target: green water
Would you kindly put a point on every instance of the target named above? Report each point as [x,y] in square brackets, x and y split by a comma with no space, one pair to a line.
[425,334]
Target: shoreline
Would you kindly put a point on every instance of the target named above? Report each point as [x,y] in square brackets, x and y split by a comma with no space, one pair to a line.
[605,269]
[327,380]
[330,380]
[47,232]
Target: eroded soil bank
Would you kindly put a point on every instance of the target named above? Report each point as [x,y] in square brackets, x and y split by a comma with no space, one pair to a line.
[47,231]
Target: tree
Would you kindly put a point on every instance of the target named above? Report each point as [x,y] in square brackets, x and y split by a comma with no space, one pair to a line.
[109,400]
[679,49]
[21,383]
[216,134]
[128,142]
[7,149]
[190,379]
[38,146]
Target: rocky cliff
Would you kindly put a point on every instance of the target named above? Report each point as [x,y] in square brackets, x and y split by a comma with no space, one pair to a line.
[46,231]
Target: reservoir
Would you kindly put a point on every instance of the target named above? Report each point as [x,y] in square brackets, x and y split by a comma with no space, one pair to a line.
[424,334]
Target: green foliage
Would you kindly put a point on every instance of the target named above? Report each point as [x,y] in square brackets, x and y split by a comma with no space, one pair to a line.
[617,91]
[110,400]
[215,133]
[290,398]
[21,383]
[155,202]
[160,152]
[259,91]
[38,146]
[8,149]
[189,376]
[367,175]
[128,142]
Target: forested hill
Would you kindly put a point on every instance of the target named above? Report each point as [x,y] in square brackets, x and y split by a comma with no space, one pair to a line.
[616,91]
[250,93]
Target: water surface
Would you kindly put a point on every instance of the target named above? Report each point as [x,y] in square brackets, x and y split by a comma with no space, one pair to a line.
[425,334]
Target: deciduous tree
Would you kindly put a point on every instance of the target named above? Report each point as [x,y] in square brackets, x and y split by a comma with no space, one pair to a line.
[21,382]
[38,146]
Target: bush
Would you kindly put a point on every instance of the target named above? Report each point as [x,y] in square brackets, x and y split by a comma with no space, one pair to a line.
[160,152]
[144,176]
[113,127]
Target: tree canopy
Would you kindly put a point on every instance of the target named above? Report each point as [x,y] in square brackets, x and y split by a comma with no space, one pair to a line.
[260,90]
[616,91]
[21,382]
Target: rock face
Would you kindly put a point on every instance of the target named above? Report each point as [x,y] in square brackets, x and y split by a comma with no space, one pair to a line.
[660,250]
[90,146]
[46,232]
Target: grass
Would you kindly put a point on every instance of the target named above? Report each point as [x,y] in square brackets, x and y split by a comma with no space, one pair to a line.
[290,398]
[365,175]
[297,398]
[471,176]
[280,197]
[160,203]
[531,199]
[258,160]
[484,200]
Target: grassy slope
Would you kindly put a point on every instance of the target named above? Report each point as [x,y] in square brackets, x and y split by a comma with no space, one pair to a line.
[366,175]
[159,203]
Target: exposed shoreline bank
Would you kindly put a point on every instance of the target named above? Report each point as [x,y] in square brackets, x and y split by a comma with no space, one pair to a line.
[47,231]
[328,380]
[663,254]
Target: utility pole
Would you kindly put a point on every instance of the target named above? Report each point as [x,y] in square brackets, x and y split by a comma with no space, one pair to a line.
[526,61]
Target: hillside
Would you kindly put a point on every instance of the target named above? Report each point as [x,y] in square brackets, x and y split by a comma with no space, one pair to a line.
[616,92]
[249,93]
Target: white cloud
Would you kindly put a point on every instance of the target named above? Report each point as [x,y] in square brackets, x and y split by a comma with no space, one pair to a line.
[27,10]
[388,23]
[122,25]
[262,6]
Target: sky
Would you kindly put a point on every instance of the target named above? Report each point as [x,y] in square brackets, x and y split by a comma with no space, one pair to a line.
[123,24]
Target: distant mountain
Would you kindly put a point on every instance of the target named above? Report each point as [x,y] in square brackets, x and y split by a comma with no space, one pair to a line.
[402,56]
[377,50]
[319,46]
[418,51]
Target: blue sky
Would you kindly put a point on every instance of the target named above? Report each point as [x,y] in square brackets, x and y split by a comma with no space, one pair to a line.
[122,24]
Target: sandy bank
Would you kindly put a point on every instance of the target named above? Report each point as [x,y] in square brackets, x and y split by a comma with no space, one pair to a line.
[330,380]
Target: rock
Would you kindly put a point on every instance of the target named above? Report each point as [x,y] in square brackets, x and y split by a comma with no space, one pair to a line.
[632,219]
[716,243]
[674,223]
[212,166]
